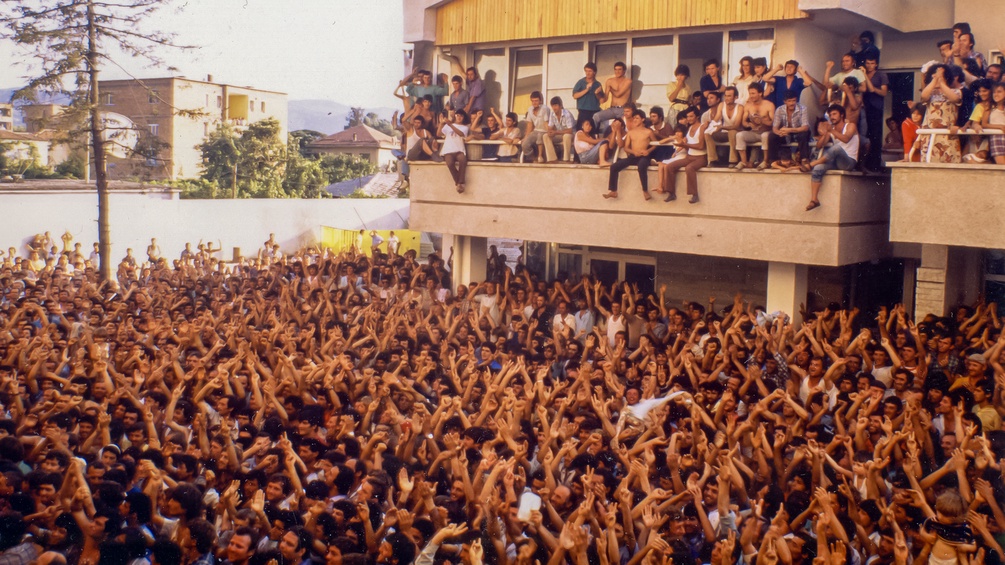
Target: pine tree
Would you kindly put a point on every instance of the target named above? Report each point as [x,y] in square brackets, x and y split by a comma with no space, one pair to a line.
[71,42]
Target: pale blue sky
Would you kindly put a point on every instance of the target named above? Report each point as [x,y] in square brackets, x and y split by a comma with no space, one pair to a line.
[344,50]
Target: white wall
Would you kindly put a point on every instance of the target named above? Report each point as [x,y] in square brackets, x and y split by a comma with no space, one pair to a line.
[137,217]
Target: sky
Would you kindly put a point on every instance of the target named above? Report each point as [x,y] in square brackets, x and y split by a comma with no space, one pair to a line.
[349,51]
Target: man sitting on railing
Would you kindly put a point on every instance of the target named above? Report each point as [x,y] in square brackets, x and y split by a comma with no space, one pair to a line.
[561,125]
[791,125]
[843,154]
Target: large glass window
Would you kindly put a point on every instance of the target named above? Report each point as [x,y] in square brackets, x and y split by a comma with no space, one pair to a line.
[491,65]
[652,69]
[527,77]
[565,67]
[606,54]
[752,43]
[696,48]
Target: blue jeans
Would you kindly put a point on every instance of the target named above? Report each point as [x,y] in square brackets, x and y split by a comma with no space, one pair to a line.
[592,155]
[836,158]
[400,156]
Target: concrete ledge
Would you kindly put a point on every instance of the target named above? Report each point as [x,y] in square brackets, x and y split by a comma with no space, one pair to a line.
[749,215]
[942,204]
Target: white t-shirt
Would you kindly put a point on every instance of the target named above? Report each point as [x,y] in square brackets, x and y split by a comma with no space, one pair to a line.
[452,142]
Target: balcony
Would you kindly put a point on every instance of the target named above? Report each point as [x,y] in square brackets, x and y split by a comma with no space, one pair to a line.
[748,215]
[942,204]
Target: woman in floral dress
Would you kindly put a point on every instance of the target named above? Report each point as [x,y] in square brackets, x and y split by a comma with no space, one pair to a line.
[942,95]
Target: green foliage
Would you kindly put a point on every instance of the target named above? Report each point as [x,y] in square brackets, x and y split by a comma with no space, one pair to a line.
[256,158]
[267,169]
[199,188]
[302,138]
[73,168]
[338,168]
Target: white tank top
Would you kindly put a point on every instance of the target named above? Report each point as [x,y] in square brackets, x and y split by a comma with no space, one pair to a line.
[728,120]
[613,327]
[693,140]
[581,146]
[851,146]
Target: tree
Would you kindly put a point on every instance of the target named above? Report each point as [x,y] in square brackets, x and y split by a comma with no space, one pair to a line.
[71,41]
[251,163]
[359,116]
[301,138]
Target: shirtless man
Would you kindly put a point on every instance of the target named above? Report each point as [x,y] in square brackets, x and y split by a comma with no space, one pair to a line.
[619,89]
[758,115]
[637,146]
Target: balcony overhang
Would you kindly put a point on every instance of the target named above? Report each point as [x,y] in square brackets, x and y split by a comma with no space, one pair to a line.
[906,16]
[961,205]
[748,215]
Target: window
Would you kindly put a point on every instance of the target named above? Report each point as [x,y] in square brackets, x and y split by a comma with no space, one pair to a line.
[153,97]
[207,100]
[154,128]
[750,43]
[262,107]
[652,70]
[219,101]
[565,67]
[606,54]
[491,65]
[251,106]
[109,100]
[527,77]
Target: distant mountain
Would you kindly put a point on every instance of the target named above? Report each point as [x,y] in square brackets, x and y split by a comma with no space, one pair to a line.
[325,116]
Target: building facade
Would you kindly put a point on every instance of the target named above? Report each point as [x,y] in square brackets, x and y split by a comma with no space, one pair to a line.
[169,117]
[750,231]
[360,141]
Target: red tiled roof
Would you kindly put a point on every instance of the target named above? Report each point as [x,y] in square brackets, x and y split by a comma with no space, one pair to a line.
[357,136]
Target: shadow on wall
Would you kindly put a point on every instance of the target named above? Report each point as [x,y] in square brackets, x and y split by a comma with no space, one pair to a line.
[637,84]
[493,91]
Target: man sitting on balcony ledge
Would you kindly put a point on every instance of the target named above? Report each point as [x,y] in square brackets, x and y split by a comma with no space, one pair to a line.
[637,146]
[843,154]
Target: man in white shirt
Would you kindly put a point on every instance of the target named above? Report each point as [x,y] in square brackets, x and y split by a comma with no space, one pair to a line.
[561,126]
[537,130]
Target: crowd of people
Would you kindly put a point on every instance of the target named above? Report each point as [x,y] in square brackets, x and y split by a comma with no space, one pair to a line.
[315,407]
[722,123]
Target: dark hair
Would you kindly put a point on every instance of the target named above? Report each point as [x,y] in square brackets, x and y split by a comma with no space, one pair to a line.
[792,62]
[473,70]
[620,64]
[836,108]
[140,505]
[758,86]
[556,100]
[402,548]
[791,95]
[736,92]
[463,115]
[591,65]
[203,534]
[868,35]
[690,110]
[537,94]
[943,42]
[457,78]
[964,27]
[682,70]
[513,116]
[748,59]
[850,81]
[658,110]
[636,113]
[708,62]
[760,62]
[190,499]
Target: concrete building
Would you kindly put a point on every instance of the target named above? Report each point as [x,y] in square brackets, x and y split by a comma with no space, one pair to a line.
[164,119]
[876,240]
[7,117]
[358,141]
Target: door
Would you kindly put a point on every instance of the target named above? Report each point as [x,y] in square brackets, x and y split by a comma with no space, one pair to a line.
[641,274]
[605,270]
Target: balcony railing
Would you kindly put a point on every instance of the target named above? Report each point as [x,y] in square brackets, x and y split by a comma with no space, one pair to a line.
[752,215]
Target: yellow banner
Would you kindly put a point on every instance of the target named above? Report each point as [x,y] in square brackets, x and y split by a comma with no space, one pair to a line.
[344,240]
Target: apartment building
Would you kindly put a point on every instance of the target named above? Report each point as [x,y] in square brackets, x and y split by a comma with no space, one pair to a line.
[171,116]
[876,240]
[7,117]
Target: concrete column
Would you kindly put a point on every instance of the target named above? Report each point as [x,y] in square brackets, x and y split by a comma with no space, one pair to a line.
[910,283]
[930,287]
[787,289]
[470,254]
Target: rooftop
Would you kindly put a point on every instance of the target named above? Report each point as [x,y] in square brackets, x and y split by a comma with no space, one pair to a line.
[356,136]
[380,184]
